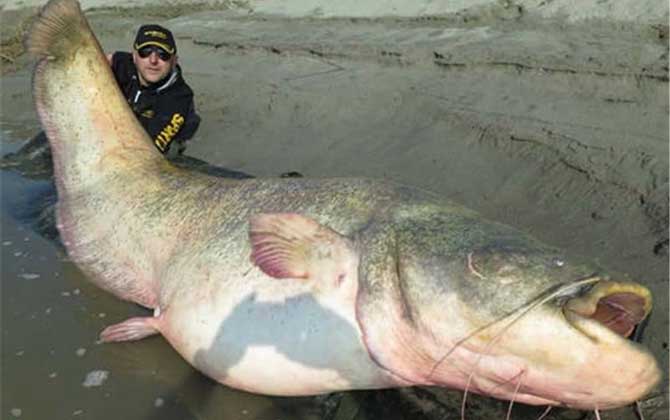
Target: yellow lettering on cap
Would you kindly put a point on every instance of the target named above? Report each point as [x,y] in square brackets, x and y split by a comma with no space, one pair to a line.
[157,34]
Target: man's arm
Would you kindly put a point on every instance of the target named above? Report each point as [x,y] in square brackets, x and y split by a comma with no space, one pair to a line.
[181,126]
[190,125]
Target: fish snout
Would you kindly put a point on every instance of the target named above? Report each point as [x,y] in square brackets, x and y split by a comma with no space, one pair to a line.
[623,379]
[577,353]
[607,314]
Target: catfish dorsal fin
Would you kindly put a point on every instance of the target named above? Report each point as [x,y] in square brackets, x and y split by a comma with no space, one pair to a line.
[289,245]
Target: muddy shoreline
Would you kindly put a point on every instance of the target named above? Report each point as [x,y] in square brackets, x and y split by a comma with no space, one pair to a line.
[558,127]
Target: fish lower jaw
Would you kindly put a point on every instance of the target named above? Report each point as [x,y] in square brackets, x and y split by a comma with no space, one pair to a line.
[513,378]
[520,389]
[480,371]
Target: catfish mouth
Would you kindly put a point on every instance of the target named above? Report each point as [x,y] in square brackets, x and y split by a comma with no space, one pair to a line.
[618,306]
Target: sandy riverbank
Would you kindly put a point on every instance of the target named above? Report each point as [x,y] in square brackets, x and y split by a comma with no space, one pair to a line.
[549,116]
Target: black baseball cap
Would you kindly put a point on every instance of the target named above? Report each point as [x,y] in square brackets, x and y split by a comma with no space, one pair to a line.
[155,35]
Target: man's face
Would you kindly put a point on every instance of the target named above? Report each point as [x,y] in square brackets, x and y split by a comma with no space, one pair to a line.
[152,68]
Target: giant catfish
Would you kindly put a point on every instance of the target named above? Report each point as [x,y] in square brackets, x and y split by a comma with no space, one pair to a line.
[298,286]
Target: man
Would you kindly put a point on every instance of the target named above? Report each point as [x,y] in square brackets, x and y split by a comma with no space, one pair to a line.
[152,83]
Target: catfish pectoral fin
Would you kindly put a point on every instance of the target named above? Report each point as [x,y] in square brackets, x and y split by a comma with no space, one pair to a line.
[289,245]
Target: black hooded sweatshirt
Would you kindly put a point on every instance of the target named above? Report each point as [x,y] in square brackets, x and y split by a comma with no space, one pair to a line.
[165,108]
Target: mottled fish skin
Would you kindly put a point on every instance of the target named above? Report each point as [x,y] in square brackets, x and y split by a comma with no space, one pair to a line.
[300,286]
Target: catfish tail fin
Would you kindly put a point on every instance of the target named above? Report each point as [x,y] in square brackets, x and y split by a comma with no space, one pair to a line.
[58,30]
[91,130]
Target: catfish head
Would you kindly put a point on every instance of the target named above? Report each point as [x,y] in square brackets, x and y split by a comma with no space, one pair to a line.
[448,299]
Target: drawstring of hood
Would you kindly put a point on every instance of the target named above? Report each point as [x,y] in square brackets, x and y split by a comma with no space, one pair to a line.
[170,80]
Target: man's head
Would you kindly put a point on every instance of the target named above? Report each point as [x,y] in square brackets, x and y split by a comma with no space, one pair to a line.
[154,53]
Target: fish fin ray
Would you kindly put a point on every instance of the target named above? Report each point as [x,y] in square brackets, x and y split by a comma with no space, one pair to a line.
[56,32]
[130,330]
[289,245]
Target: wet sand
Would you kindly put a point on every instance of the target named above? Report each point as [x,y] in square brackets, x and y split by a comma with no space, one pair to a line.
[557,126]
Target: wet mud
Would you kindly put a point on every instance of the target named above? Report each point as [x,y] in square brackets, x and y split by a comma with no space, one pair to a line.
[559,131]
